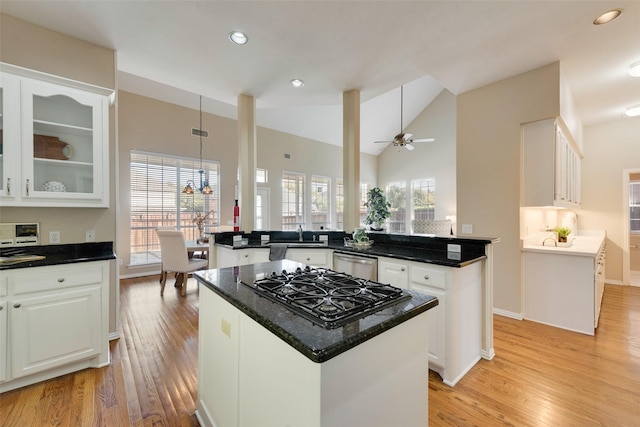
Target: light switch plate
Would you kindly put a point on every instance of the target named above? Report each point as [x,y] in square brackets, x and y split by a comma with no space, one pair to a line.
[90,236]
[54,237]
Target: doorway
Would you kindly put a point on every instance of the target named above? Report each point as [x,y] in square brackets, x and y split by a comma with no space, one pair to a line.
[262,209]
[631,228]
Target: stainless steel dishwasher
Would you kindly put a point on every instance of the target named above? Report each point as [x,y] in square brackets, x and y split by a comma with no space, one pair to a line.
[364,267]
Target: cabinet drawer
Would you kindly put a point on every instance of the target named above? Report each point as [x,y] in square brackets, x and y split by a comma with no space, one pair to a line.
[317,257]
[55,277]
[428,277]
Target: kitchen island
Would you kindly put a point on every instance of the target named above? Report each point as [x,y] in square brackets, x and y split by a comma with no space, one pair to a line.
[262,364]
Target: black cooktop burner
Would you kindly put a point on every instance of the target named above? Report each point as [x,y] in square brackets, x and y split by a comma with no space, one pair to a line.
[326,297]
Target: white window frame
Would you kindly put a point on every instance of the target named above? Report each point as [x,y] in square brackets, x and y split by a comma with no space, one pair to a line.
[156,183]
[297,207]
[316,202]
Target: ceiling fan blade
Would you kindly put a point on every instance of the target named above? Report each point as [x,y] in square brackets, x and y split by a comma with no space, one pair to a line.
[407,136]
[423,140]
[409,147]
[382,142]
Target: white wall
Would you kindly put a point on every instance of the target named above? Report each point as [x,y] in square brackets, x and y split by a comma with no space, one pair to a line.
[429,159]
[151,125]
[609,148]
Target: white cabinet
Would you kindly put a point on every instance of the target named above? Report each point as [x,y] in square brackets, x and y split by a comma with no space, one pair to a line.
[55,142]
[600,274]
[393,272]
[56,321]
[3,332]
[564,289]
[551,165]
[312,257]
[455,325]
[227,257]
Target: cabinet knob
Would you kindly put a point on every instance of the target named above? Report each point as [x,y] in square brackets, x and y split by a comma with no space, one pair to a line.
[8,186]
[402,269]
[308,259]
[17,305]
[246,255]
[1,307]
[60,279]
[426,277]
[27,187]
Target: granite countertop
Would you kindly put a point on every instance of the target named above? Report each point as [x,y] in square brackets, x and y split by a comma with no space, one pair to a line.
[315,342]
[57,254]
[427,249]
[586,243]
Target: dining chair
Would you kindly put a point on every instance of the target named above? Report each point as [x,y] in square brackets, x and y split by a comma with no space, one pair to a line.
[173,252]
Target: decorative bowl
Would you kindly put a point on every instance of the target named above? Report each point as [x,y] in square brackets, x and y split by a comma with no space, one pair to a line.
[54,186]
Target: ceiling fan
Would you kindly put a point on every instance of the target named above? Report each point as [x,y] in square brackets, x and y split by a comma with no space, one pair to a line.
[404,139]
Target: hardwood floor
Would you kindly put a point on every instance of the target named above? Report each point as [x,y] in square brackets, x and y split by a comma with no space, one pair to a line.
[541,376]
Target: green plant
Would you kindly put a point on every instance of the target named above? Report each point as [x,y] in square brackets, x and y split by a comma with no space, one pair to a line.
[377,207]
[563,233]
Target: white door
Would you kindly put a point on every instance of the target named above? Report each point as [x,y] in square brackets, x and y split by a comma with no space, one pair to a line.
[262,209]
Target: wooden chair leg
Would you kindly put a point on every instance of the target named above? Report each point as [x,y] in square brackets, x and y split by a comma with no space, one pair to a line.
[163,281]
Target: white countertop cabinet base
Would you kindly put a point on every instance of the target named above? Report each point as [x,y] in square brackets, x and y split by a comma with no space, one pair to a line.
[248,377]
[455,325]
[562,291]
[55,322]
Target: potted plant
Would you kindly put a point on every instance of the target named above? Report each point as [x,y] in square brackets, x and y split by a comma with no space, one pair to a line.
[377,209]
[563,233]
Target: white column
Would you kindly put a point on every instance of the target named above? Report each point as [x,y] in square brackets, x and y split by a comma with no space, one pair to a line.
[351,158]
[247,161]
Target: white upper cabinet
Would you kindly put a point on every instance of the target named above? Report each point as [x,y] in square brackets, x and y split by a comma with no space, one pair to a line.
[55,143]
[551,165]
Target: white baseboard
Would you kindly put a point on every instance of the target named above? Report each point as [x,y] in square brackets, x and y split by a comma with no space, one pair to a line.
[505,313]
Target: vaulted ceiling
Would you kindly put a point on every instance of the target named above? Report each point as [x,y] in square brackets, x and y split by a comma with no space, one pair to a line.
[177,50]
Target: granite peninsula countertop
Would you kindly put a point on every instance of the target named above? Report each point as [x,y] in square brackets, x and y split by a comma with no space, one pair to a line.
[315,342]
[56,254]
[427,249]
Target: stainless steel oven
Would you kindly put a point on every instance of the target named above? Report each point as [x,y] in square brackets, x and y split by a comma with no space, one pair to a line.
[362,266]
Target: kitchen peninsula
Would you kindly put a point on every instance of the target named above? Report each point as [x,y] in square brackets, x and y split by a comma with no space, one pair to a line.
[458,271]
[260,363]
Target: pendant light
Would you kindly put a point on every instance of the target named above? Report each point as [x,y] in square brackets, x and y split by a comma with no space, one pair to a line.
[204,187]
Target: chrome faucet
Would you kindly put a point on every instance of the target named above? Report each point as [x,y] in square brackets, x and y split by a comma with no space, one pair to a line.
[300,232]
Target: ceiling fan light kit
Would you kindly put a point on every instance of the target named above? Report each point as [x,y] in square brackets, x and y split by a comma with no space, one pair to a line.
[404,139]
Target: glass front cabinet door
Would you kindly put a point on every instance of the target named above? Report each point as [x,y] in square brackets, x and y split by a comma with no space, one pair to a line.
[64,146]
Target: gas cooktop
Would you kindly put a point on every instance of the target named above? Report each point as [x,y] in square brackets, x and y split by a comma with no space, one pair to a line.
[328,298]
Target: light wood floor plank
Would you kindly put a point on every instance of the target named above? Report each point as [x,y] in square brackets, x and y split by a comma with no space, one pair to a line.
[541,376]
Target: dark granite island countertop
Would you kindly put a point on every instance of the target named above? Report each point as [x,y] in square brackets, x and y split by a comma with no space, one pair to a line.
[315,342]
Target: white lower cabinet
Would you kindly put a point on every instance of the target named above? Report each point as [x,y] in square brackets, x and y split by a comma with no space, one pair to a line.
[3,332]
[227,257]
[56,321]
[455,325]
[393,272]
[312,257]
[564,289]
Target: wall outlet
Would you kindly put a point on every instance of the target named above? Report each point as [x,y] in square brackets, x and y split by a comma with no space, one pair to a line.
[54,237]
[467,229]
[90,236]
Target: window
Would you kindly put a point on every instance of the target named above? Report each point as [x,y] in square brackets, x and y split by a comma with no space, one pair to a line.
[156,200]
[422,198]
[397,197]
[320,202]
[262,177]
[292,200]
[364,189]
[634,207]
[339,204]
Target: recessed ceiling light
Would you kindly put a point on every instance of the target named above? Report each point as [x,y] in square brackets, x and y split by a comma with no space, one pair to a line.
[297,83]
[634,70]
[238,37]
[607,17]
[632,111]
